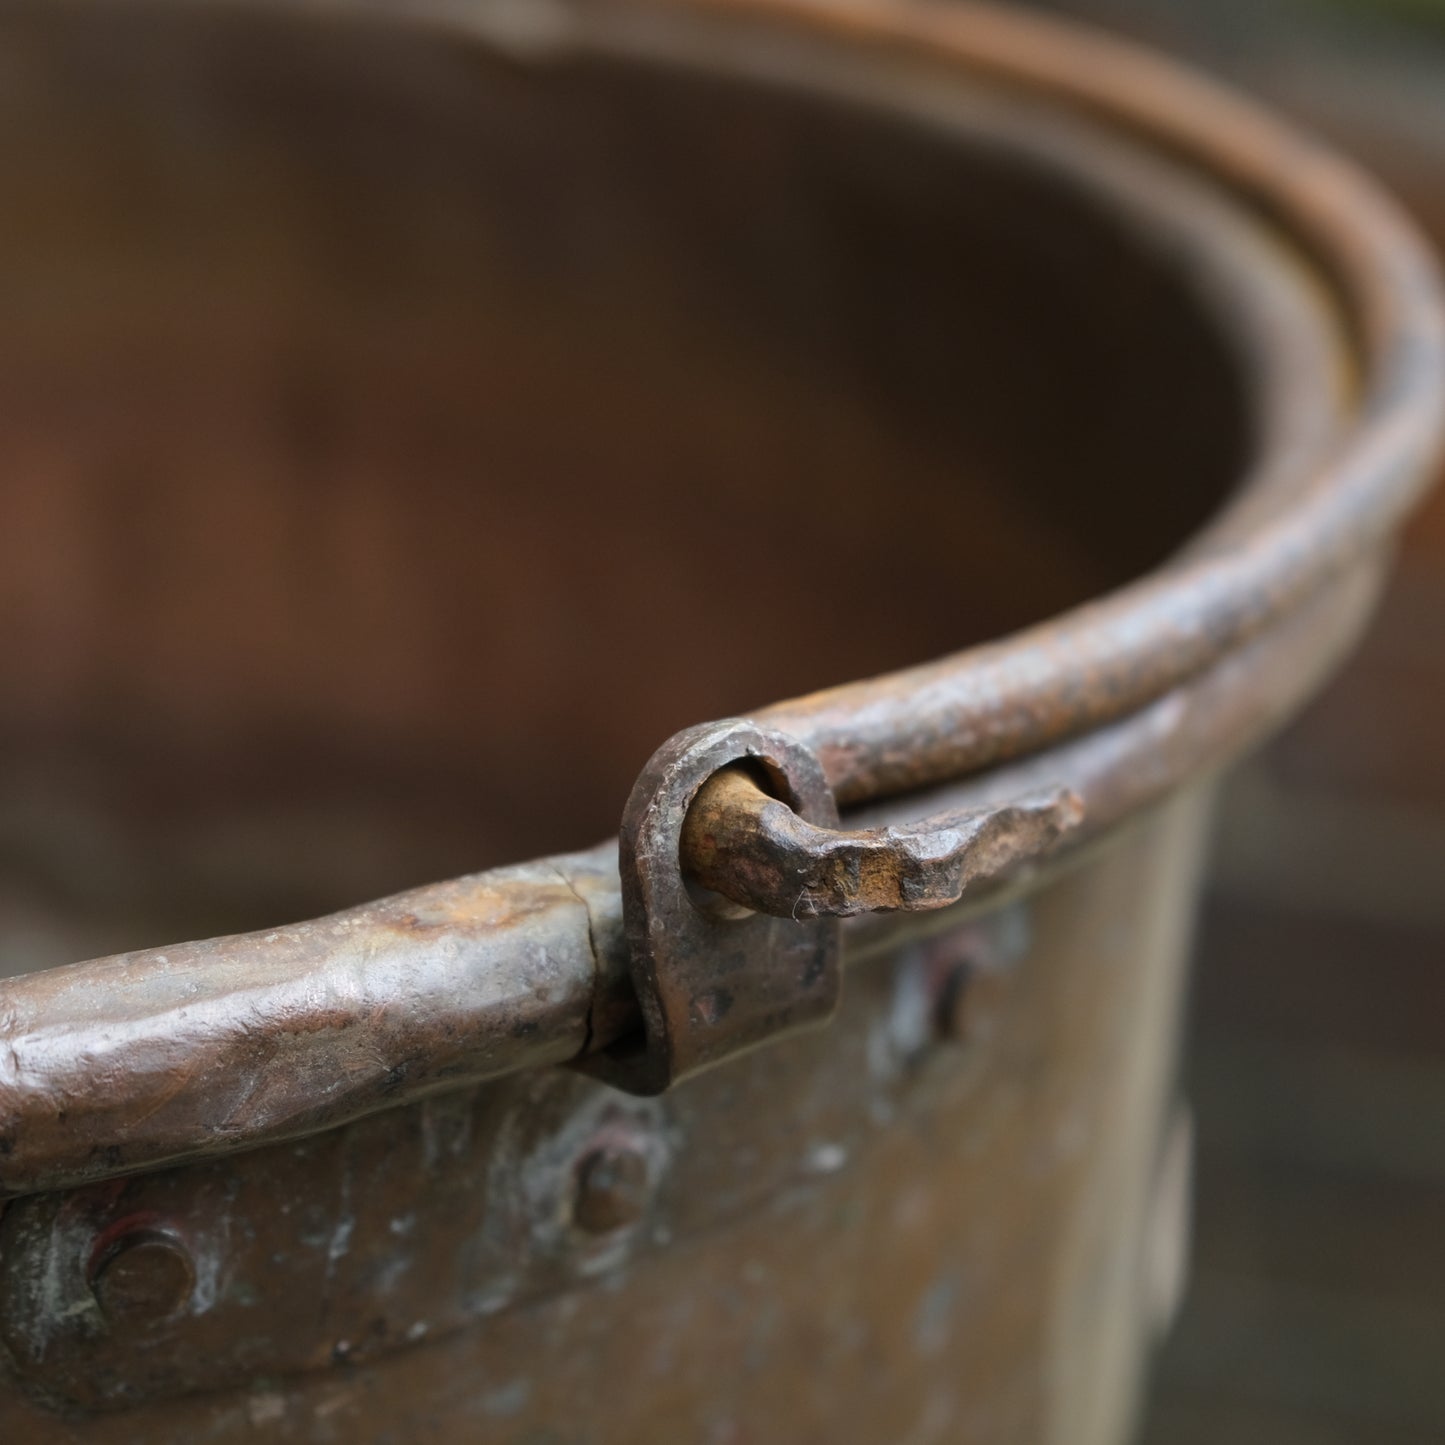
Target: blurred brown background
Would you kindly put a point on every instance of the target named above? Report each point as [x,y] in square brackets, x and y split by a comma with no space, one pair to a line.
[1316,1056]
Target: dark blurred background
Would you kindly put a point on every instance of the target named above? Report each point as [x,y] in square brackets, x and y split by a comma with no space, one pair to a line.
[1316,1053]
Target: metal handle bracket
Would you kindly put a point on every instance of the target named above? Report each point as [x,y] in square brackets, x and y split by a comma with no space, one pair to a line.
[734,875]
[713,980]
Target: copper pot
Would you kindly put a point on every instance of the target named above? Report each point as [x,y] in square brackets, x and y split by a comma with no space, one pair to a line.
[412,415]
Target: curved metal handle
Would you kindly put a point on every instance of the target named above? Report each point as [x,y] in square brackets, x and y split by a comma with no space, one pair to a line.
[757,852]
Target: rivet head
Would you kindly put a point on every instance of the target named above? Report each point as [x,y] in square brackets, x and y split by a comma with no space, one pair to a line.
[143,1277]
[612,1189]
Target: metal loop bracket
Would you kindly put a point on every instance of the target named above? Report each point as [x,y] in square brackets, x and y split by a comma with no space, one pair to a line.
[713,980]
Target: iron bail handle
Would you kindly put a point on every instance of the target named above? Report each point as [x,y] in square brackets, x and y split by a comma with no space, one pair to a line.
[746,812]
[745,844]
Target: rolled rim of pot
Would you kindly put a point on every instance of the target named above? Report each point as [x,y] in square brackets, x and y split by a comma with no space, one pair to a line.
[1333,304]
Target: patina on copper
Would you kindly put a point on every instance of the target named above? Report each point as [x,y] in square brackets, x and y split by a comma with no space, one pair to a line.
[100,1046]
[821,1234]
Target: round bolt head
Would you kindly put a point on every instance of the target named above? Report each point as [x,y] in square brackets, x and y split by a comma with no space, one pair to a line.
[145,1277]
[612,1189]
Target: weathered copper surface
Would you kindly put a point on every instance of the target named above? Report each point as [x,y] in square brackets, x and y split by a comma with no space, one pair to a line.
[1059,278]
[1317,501]
[468,992]
[860,1231]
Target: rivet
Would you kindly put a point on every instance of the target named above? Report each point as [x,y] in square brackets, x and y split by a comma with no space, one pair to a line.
[612,1189]
[143,1277]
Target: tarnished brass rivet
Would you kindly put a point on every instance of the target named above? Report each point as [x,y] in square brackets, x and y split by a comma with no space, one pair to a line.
[143,1277]
[612,1189]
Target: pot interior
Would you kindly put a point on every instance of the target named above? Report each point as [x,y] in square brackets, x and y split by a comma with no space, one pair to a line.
[401,440]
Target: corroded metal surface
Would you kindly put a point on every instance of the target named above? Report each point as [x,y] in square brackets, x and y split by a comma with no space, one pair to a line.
[160,1112]
[1313,507]
[148,1056]
[709,982]
[324,1180]
[752,848]
[833,1239]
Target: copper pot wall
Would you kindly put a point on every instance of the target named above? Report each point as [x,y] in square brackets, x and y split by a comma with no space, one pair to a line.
[410,418]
